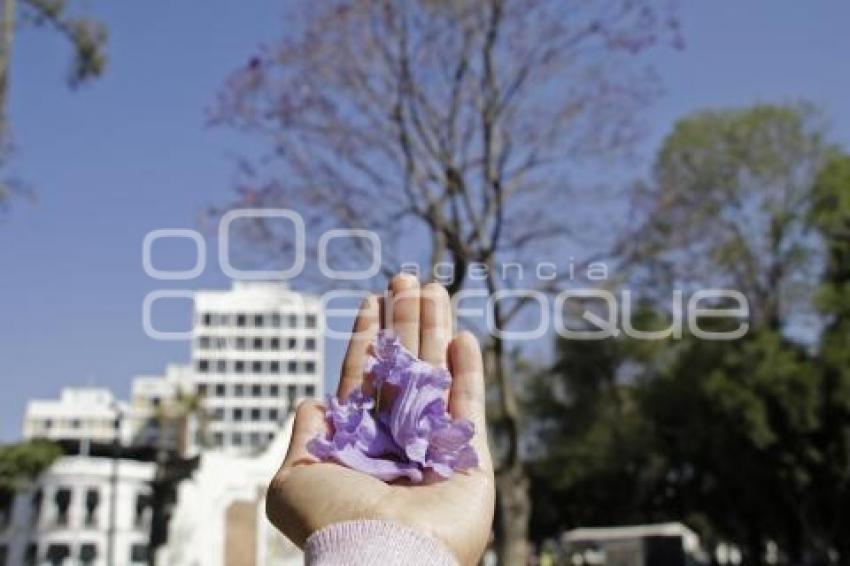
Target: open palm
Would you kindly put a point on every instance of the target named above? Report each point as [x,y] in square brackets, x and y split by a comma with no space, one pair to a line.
[307,495]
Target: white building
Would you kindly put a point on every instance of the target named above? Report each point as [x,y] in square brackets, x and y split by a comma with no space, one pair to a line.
[148,392]
[638,545]
[257,351]
[152,399]
[90,503]
[80,413]
[64,517]
[219,517]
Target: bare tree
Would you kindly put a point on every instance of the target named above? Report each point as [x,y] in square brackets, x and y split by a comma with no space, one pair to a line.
[449,128]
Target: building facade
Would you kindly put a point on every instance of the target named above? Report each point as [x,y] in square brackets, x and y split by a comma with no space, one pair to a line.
[161,412]
[257,351]
[219,515]
[84,413]
[66,516]
[92,506]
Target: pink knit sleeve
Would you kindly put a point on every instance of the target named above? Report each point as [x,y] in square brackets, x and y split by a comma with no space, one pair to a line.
[365,543]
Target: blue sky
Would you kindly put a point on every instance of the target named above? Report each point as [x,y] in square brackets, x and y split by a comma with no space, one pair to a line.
[131,153]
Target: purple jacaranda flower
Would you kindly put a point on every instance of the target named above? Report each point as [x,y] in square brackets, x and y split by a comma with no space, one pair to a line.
[359,442]
[405,429]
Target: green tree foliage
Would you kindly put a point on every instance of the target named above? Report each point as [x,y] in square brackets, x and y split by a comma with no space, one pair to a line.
[86,36]
[830,216]
[592,437]
[87,39]
[728,202]
[748,441]
[735,423]
[24,461]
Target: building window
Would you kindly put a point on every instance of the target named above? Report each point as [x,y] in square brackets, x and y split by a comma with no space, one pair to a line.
[255,414]
[236,439]
[292,367]
[31,554]
[202,389]
[35,505]
[270,436]
[241,319]
[310,344]
[291,343]
[88,554]
[257,367]
[76,423]
[310,391]
[221,366]
[92,503]
[203,366]
[310,321]
[274,367]
[57,554]
[256,439]
[203,342]
[256,390]
[221,343]
[291,392]
[239,366]
[218,439]
[219,390]
[274,390]
[238,390]
[6,500]
[139,554]
[274,344]
[310,367]
[240,343]
[143,502]
[218,414]
[206,319]
[259,321]
[273,415]
[275,320]
[62,499]
[237,414]
[258,344]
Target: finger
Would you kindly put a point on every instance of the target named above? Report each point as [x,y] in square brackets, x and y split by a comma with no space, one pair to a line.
[467,395]
[435,329]
[364,331]
[402,306]
[308,424]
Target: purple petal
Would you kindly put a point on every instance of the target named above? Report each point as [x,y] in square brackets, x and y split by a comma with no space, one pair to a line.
[383,469]
[414,433]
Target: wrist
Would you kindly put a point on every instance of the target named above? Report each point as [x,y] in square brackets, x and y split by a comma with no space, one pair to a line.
[365,542]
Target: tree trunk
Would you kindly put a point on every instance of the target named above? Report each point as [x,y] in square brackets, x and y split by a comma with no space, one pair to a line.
[513,511]
[513,503]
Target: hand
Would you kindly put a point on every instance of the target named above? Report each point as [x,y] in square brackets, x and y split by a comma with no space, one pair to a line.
[307,495]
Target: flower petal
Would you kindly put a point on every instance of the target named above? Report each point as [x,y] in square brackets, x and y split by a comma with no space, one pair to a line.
[413,433]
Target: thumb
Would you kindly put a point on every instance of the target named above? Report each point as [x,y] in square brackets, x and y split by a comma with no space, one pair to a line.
[309,423]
